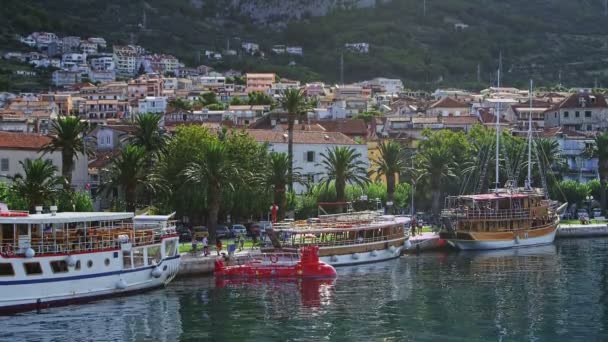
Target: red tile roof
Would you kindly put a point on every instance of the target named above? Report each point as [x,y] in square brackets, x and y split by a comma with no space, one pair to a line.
[346,126]
[460,120]
[301,137]
[572,101]
[448,102]
[22,141]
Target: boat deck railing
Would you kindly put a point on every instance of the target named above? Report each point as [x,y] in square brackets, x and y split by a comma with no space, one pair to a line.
[340,242]
[486,214]
[76,241]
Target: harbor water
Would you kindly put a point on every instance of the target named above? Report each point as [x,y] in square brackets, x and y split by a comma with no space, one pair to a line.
[550,293]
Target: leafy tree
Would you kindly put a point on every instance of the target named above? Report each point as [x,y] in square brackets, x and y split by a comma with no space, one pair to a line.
[343,165]
[574,192]
[436,164]
[599,150]
[390,164]
[148,134]
[367,116]
[40,185]
[259,98]
[127,173]
[214,172]
[235,101]
[180,104]
[216,106]
[67,136]
[78,201]
[208,98]
[294,103]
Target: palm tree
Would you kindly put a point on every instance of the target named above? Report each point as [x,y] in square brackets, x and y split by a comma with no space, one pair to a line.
[293,102]
[214,172]
[390,163]
[436,164]
[599,150]
[277,179]
[343,165]
[67,136]
[148,134]
[40,184]
[127,172]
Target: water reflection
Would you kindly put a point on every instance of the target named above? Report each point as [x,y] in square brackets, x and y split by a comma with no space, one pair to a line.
[550,293]
[149,316]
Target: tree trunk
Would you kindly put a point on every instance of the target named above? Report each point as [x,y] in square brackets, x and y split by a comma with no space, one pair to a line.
[215,198]
[390,191]
[436,193]
[130,197]
[290,123]
[603,180]
[280,200]
[67,163]
[340,186]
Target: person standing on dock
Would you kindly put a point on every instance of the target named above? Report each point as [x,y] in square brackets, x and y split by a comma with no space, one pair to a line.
[205,246]
[218,246]
[413,226]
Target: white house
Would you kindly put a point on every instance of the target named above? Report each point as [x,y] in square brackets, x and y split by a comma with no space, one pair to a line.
[250,47]
[103,63]
[16,147]
[152,104]
[357,47]
[307,149]
[294,50]
[69,60]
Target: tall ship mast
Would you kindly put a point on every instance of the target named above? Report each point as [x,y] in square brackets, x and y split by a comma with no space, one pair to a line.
[508,217]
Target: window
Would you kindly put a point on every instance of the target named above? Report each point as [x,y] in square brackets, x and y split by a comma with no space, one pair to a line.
[587,113]
[107,262]
[566,114]
[153,254]
[59,266]
[310,156]
[4,164]
[77,267]
[126,260]
[32,268]
[170,248]
[138,257]
[589,128]
[90,263]
[577,114]
[6,270]
[310,178]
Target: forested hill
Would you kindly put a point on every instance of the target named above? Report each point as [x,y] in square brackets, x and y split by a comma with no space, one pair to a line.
[539,38]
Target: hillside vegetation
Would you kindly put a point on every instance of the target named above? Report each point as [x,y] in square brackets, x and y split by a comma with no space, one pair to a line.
[539,39]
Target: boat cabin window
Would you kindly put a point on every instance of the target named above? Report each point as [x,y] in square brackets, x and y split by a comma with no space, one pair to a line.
[138,257]
[77,266]
[170,247]
[153,254]
[8,233]
[32,268]
[59,266]
[126,260]
[6,270]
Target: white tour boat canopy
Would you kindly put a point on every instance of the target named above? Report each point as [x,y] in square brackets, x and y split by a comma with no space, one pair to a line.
[65,217]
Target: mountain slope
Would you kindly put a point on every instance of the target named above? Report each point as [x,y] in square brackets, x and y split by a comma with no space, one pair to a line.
[542,39]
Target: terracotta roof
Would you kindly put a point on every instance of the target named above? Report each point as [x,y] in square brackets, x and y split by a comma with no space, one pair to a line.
[301,137]
[448,102]
[102,159]
[346,126]
[23,141]
[572,101]
[425,120]
[488,118]
[460,120]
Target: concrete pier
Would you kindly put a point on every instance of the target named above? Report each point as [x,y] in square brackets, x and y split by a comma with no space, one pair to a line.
[196,265]
[582,230]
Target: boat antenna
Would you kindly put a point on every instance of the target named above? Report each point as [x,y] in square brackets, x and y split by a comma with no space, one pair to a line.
[529,179]
[498,124]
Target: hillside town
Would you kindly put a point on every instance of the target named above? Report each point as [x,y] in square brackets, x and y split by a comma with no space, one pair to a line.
[109,90]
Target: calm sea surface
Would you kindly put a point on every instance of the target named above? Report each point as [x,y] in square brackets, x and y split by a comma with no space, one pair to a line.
[552,293]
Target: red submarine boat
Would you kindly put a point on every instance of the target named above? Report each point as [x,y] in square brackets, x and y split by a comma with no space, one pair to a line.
[279,266]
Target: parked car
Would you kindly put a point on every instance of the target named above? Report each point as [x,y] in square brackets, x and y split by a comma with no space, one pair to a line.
[237,229]
[597,212]
[199,232]
[185,235]
[222,231]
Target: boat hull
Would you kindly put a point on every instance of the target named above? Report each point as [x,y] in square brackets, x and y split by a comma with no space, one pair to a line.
[84,286]
[523,239]
[363,253]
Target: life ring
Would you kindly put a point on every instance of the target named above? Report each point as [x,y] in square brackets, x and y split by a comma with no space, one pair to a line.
[274,259]
[8,250]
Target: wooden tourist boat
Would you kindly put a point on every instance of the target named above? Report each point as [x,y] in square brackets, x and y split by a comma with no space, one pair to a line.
[345,239]
[506,217]
[62,258]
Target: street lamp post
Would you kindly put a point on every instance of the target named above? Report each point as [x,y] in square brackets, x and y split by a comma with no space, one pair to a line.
[589,203]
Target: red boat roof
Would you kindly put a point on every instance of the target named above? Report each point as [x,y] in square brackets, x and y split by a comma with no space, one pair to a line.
[494,196]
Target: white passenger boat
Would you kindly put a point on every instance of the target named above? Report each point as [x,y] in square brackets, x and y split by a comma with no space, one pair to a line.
[346,239]
[62,258]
